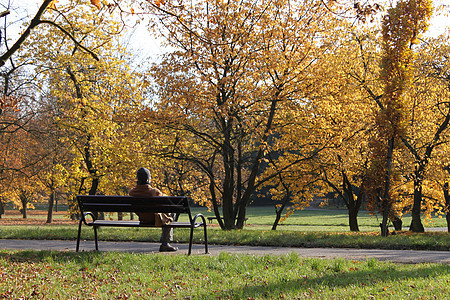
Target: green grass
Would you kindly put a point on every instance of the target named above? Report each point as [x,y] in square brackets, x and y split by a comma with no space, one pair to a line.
[331,220]
[335,220]
[91,275]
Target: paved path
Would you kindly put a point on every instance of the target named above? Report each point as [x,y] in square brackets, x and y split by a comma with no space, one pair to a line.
[398,256]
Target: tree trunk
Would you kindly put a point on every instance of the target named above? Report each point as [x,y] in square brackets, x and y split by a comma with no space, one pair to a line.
[277,218]
[93,191]
[447,204]
[353,219]
[448,220]
[255,168]
[280,210]
[416,222]
[398,223]
[24,212]
[212,191]
[2,207]
[352,205]
[228,181]
[51,200]
[387,185]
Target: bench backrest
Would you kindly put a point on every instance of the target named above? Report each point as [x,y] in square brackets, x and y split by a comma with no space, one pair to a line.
[161,204]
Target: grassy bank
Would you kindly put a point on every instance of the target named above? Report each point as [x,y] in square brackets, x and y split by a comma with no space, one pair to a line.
[64,275]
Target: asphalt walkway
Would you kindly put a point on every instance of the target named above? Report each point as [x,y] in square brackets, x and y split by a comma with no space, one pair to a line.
[397,256]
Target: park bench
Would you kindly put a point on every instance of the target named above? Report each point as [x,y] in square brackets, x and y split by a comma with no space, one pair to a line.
[91,205]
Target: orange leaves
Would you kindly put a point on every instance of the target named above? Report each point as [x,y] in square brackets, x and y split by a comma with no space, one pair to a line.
[7,101]
[159,2]
[52,5]
[96,3]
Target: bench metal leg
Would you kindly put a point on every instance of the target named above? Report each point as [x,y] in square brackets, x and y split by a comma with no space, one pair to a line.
[190,240]
[78,237]
[206,239]
[96,238]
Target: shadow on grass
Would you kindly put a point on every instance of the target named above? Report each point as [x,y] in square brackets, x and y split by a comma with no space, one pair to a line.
[377,278]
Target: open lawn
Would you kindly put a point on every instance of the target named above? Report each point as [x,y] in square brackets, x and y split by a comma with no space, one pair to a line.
[92,275]
[330,220]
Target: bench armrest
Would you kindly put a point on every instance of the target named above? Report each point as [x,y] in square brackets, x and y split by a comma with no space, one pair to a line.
[199,216]
[83,217]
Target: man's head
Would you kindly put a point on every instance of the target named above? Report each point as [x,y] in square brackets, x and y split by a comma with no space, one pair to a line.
[143,176]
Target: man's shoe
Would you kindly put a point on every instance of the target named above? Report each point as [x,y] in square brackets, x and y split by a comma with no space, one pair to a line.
[167,248]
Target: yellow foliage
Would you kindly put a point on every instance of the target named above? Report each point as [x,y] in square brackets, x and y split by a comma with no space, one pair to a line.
[52,4]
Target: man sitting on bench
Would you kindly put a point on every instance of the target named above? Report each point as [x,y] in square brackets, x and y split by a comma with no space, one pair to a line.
[142,189]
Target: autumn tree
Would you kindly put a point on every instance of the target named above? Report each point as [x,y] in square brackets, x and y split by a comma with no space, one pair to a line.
[236,77]
[22,162]
[14,89]
[16,115]
[346,113]
[56,156]
[95,102]
[422,146]
[428,132]
[401,28]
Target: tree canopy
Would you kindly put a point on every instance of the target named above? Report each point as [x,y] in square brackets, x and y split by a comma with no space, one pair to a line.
[287,100]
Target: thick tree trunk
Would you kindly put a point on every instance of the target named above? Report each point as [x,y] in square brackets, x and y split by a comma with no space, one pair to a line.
[227,204]
[448,221]
[93,191]
[352,205]
[416,222]
[447,204]
[229,180]
[398,223]
[240,218]
[353,219]
[386,205]
[24,212]
[51,200]
[2,207]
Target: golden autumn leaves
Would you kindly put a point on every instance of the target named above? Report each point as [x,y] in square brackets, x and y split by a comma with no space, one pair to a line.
[96,3]
[99,3]
[401,28]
